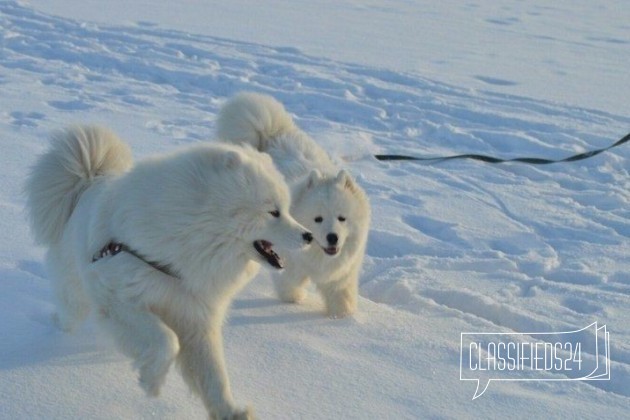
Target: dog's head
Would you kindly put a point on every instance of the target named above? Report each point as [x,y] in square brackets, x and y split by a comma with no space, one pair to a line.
[334,209]
[243,199]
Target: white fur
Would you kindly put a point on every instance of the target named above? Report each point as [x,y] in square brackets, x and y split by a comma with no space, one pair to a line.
[198,210]
[319,189]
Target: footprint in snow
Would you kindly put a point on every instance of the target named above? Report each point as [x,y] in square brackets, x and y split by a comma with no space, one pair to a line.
[25,119]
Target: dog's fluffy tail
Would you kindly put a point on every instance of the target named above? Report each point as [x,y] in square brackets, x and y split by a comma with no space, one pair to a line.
[253,119]
[77,156]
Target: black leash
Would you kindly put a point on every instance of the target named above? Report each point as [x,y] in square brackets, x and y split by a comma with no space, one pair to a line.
[490,159]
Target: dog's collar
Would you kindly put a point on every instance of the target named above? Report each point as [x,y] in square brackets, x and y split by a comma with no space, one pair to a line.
[114,248]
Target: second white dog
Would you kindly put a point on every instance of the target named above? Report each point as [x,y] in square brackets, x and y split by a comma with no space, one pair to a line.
[325,199]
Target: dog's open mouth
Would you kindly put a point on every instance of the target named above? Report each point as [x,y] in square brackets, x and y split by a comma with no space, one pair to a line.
[265,249]
[331,250]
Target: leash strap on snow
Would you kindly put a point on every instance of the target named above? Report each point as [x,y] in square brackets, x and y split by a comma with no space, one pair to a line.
[490,159]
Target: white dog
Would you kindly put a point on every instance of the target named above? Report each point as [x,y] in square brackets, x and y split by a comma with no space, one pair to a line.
[159,248]
[325,199]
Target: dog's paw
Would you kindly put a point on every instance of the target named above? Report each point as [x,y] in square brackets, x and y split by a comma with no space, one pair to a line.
[244,414]
[340,303]
[339,314]
[151,381]
[152,378]
[155,366]
[236,414]
[340,309]
[63,323]
[290,291]
[294,296]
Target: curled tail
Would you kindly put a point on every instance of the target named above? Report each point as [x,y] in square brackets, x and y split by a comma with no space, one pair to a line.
[76,157]
[253,119]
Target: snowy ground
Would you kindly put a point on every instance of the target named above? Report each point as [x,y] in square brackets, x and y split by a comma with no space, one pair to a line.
[454,247]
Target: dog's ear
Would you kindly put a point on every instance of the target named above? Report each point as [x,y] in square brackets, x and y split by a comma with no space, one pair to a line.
[313,178]
[345,180]
[305,184]
[231,159]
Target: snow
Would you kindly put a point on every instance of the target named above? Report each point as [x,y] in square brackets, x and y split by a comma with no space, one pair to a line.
[568,51]
[454,247]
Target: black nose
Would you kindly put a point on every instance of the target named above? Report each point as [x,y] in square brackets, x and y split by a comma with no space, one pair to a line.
[308,237]
[332,238]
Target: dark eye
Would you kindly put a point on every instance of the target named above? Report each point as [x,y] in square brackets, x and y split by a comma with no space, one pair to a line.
[319,219]
[275,213]
[341,219]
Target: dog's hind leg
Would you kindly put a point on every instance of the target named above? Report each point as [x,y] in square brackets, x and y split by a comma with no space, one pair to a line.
[124,290]
[73,305]
[142,336]
[291,285]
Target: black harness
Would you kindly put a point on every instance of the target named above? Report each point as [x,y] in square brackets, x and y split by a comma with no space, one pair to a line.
[114,248]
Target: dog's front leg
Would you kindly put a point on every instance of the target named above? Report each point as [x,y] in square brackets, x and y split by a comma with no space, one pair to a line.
[291,284]
[341,295]
[203,368]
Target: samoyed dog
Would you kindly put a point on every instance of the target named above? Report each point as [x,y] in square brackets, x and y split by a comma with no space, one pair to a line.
[325,199]
[160,248]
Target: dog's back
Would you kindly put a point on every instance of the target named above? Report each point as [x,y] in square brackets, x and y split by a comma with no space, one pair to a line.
[263,123]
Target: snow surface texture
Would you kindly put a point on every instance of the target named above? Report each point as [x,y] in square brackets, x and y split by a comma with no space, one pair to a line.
[455,247]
